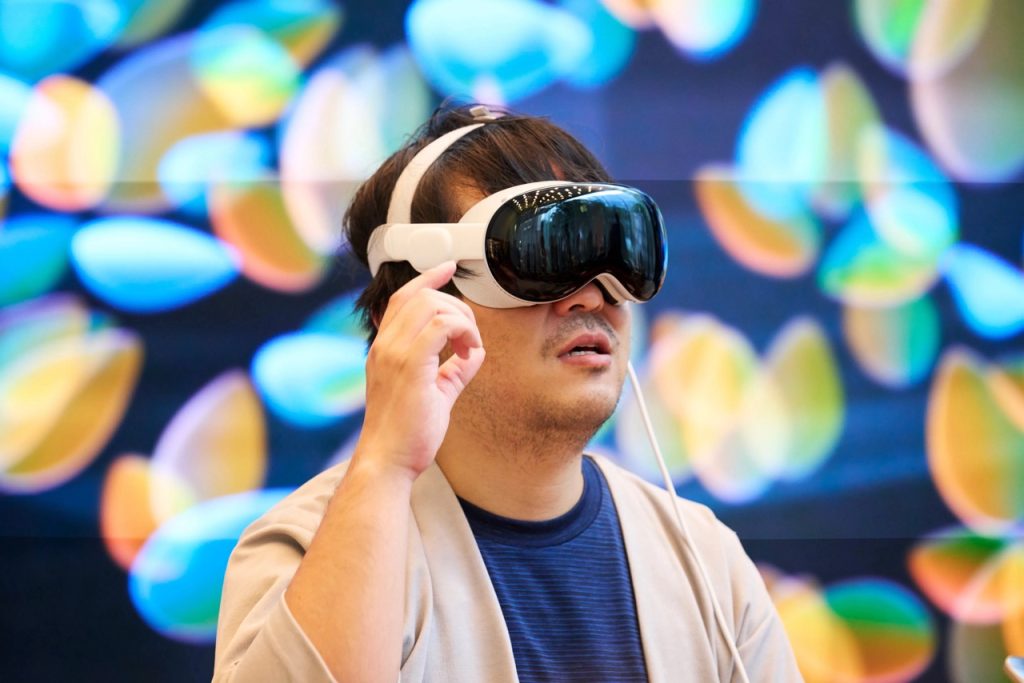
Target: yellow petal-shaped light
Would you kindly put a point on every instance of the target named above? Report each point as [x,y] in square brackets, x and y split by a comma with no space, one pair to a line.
[849,110]
[825,648]
[1006,382]
[631,437]
[216,443]
[65,149]
[731,420]
[805,370]
[78,390]
[975,453]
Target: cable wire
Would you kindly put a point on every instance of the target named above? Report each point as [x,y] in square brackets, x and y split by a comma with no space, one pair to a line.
[719,617]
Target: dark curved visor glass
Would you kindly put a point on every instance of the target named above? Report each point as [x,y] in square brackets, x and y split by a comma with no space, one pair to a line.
[544,245]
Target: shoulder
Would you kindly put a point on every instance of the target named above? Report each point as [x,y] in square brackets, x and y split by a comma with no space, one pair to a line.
[637,497]
[646,514]
[298,515]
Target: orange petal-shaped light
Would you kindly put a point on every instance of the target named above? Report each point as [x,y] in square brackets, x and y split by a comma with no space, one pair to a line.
[969,577]
[975,453]
[765,245]
[65,149]
[252,217]
[127,517]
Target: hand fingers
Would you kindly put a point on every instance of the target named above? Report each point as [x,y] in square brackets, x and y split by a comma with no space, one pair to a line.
[443,329]
[418,312]
[456,372]
[434,278]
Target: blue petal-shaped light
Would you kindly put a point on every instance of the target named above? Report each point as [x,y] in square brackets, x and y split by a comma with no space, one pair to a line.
[42,37]
[311,379]
[33,255]
[911,201]
[175,582]
[187,168]
[988,291]
[781,151]
[146,265]
[705,29]
[610,49]
[338,317]
[512,48]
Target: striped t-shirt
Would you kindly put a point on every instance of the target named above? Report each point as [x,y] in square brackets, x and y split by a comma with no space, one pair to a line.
[564,589]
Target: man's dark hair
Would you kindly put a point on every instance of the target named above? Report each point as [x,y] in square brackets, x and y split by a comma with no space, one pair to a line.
[509,151]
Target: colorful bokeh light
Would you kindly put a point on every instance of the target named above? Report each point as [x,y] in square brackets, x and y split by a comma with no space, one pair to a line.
[862,630]
[780,153]
[33,255]
[302,27]
[64,388]
[64,151]
[988,291]
[894,346]
[784,247]
[251,216]
[859,268]
[973,578]
[975,452]
[738,421]
[352,113]
[176,579]
[148,265]
[311,379]
[703,29]
[972,112]
[159,102]
[216,444]
[495,50]
[190,166]
[42,37]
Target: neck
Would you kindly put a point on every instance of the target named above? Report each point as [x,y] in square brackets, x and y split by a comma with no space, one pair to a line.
[526,475]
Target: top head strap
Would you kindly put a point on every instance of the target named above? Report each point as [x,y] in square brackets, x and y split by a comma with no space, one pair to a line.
[400,208]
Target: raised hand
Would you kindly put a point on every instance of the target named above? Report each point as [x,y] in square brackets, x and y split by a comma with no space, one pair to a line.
[410,386]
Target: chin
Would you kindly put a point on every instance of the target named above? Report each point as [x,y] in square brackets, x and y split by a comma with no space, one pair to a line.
[592,409]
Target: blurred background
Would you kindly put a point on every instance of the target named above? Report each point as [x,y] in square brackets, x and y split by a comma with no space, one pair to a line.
[835,363]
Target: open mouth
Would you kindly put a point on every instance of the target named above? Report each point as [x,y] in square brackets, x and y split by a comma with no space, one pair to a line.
[587,345]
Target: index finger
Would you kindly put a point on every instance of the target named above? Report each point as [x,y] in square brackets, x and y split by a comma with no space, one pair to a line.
[435,278]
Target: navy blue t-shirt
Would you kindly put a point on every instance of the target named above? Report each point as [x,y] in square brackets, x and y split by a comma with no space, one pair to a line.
[564,589]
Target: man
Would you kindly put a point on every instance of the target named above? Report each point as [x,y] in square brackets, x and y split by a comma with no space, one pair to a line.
[469,538]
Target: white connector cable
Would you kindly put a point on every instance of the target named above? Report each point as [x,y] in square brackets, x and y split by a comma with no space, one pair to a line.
[719,617]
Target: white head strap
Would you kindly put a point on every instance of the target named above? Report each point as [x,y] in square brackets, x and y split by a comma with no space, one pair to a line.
[400,208]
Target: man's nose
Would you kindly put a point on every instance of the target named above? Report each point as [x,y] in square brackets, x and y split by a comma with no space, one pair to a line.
[588,299]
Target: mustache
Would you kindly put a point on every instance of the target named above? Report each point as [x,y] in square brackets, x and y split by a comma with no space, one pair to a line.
[584,322]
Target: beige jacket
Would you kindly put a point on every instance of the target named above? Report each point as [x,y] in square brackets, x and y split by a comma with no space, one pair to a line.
[454,631]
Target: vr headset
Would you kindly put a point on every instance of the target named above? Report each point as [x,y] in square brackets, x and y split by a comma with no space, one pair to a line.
[530,244]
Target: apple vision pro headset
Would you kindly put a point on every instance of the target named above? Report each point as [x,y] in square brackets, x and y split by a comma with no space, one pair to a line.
[539,243]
